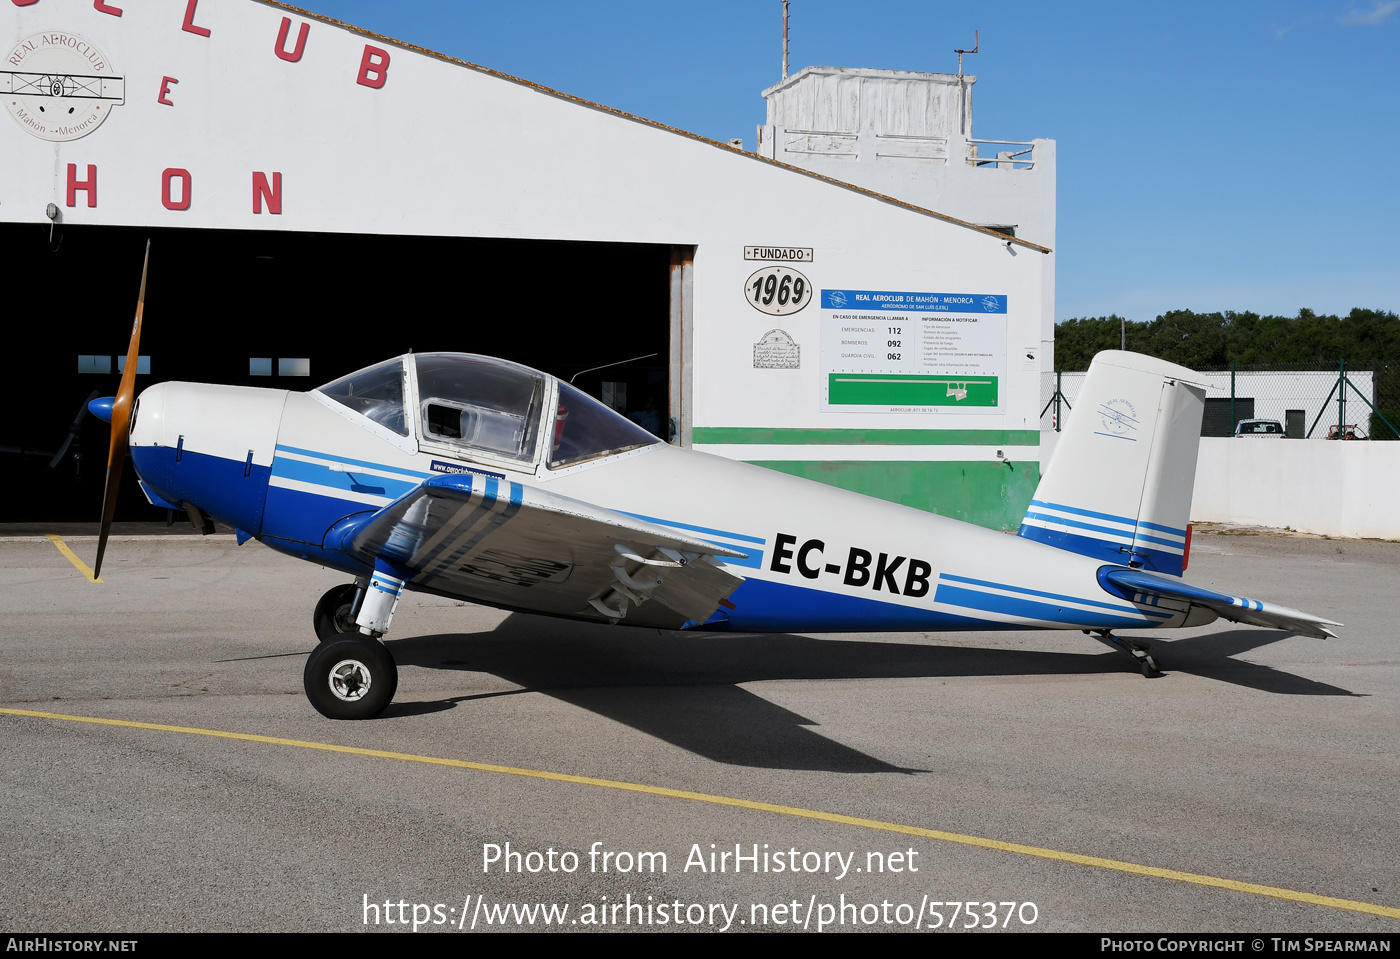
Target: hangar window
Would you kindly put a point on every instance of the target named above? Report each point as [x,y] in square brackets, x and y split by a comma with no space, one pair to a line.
[94,364]
[615,395]
[143,364]
[375,392]
[260,366]
[585,429]
[289,366]
[479,402]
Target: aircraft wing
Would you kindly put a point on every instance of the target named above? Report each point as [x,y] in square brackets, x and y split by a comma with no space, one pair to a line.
[494,541]
[1138,586]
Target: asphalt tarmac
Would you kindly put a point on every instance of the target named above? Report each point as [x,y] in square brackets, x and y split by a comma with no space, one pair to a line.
[876,781]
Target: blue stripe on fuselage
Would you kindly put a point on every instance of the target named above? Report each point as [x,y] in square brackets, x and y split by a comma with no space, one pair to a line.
[762,606]
[1116,607]
[697,529]
[282,448]
[314,473]
[1034,609]
[305,517]
[1160,561]
[754,559]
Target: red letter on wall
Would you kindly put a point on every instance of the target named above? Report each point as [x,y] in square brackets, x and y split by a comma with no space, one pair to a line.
[25,3]
[272,194]
[374,67]
[188,26]
[165,180]
[101,7]
[281,48]
[89,185]
[165,90]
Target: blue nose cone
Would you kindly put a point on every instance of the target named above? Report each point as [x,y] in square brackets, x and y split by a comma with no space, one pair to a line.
[102,408]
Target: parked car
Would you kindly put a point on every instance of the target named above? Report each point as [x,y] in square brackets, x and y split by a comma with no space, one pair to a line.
[1270,429]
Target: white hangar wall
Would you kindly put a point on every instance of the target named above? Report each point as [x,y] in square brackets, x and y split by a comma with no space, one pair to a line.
[358,134]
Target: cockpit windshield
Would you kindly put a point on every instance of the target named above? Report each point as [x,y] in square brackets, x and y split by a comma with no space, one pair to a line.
[585,429]
[480,403]
[490,406]
[375,392]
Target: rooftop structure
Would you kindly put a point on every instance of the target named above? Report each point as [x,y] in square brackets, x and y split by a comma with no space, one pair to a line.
[909,135]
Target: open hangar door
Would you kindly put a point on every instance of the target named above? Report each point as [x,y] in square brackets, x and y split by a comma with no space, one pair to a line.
[295,310]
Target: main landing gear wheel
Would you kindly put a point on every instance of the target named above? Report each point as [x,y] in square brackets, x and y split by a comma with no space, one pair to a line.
[335,612]
[350,677]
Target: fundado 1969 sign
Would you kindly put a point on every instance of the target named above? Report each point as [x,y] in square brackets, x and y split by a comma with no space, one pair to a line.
[778,290]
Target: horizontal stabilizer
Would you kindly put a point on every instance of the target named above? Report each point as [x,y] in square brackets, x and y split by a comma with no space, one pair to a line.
[1139,586]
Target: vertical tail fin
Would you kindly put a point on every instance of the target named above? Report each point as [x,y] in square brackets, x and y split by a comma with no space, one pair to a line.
[1119,484]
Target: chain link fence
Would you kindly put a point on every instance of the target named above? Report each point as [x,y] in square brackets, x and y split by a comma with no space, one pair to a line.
[1313,401]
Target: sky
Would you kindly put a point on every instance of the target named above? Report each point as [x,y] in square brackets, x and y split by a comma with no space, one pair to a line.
[1237,155]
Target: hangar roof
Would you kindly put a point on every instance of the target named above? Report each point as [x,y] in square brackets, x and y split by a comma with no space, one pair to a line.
[790,81]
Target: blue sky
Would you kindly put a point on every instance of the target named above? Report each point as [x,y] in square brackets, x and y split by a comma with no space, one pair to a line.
[1224,155]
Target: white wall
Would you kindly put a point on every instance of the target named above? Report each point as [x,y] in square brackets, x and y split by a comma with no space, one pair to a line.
[445,148]
[1331,488]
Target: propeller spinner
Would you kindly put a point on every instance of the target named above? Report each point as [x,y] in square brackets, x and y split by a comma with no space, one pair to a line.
[121,421]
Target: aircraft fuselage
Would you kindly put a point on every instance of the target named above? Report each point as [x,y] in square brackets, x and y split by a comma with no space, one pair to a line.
[291,468]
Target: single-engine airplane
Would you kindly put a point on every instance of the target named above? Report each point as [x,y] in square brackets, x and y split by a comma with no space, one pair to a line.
[479,479]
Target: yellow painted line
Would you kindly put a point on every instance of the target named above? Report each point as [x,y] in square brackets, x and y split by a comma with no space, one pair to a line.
[1289,895]
[83,568]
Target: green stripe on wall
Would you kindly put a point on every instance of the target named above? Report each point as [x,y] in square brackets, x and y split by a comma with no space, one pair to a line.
[834,437]
[987,494]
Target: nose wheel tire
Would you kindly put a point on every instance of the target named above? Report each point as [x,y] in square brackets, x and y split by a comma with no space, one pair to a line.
[335,612]
[350,677]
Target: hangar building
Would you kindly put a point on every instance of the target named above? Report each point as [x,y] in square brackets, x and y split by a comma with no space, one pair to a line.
[319,198]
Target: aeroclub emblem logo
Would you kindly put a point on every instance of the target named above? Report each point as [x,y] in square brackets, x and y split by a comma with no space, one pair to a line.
[1119,419]
[59,86]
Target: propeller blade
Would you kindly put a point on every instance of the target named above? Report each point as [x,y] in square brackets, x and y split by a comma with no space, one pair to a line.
[121,418]
[73,430]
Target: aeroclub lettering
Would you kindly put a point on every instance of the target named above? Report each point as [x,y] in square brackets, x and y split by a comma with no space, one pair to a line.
[177,188]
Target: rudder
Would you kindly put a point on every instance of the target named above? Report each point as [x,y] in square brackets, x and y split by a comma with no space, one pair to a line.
[1119,484]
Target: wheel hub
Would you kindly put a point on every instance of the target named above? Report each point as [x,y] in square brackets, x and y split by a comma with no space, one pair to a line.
[349,680]
[345,618]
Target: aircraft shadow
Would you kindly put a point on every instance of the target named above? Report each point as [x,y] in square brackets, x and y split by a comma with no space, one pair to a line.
[1211,656]
[684,688]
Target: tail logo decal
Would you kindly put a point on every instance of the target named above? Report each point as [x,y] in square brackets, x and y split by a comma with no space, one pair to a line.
[1119,419]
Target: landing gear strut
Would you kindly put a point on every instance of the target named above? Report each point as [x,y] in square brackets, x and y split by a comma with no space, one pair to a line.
[1136,648]
[350,677]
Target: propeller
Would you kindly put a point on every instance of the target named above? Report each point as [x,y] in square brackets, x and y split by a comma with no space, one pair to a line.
[121,419]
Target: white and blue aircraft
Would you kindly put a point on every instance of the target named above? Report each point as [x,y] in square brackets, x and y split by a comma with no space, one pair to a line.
[482,480]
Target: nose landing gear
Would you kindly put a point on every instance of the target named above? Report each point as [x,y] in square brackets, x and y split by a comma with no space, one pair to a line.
[350,675]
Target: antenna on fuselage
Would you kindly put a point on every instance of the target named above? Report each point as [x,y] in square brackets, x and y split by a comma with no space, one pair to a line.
[606,365]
